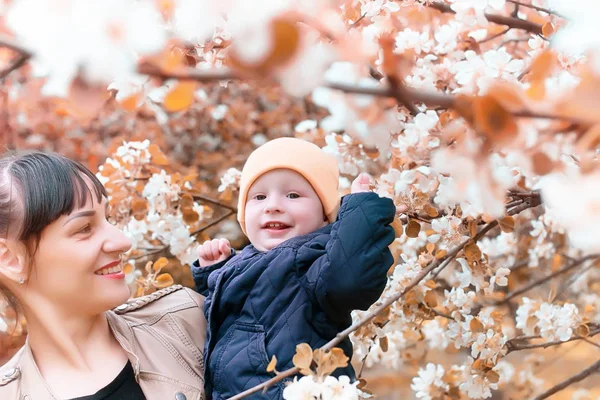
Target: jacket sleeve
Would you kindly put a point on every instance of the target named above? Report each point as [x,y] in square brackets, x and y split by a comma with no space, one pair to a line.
[201,274]
[350,272]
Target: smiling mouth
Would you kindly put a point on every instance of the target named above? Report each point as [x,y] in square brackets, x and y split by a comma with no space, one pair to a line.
[276,226]
[113,268]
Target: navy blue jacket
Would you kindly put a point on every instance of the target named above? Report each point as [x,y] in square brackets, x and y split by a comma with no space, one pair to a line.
[260,304]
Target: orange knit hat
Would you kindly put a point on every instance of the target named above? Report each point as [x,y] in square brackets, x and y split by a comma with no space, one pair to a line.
[317,167]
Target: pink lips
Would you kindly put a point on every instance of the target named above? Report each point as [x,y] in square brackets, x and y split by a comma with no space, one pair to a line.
[116,275]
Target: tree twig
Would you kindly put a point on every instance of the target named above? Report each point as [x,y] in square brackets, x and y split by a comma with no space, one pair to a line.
[18,63]
[214,202]
[545,279]
[512,22]
[213,223]
[401,95]
[512,346]
[538,8]
[567,382]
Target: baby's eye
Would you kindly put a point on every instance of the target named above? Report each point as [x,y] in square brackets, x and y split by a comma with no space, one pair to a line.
[293,195]
[260,197]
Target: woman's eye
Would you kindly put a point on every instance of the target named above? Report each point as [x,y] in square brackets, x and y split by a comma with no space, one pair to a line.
[293,196]
[85,229]
[111,220]
[260,197]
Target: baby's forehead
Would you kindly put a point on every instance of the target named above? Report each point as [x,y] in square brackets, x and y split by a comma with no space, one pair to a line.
[280,178]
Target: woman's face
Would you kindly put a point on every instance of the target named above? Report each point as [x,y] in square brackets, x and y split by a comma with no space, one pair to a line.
[77,264]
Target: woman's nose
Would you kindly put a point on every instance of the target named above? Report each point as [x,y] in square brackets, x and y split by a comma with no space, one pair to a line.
[116,241]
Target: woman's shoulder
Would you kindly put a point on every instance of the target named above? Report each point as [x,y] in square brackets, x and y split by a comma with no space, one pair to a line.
[172,300]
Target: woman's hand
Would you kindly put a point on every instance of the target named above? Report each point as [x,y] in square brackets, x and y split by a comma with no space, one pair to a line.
[213,251]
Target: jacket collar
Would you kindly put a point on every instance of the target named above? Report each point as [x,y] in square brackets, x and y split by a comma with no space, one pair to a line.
[32,383]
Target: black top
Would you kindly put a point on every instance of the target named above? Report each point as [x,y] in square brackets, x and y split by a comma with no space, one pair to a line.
[123,387]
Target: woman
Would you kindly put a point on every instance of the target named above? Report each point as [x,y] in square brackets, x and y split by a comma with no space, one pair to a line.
[60,260]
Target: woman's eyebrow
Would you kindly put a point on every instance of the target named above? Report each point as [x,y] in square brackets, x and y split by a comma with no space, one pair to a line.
[87,213]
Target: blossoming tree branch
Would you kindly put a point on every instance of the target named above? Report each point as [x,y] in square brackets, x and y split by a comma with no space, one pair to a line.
[479,116]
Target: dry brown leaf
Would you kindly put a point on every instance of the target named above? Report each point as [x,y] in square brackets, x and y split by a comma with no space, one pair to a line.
[383,343]
[583,330]
[494,121]
[431,211]
[507,224]
[329,361]
[190,216]
[398,228]
[492,376]
[472,252]
[413,228]
[163,281]
[476,326]
[431,299]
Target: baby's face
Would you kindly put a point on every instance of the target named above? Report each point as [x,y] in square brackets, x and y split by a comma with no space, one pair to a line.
[281,205]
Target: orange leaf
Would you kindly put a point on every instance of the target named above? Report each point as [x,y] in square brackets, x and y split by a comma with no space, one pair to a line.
[272,364]
[390,61]
[543,65]
[285,38]
[542,164]
[286,41]
[303,358]
[130,103]
[180,97]
[158,157]
[548,29]
[510,95]
[492,119]
[163,281]
[160,264]
[589,139]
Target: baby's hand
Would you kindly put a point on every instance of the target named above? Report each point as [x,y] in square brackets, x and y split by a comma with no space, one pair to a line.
[213,251]
[361,184]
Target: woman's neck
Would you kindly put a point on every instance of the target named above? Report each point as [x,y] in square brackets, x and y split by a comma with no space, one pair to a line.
[67,340]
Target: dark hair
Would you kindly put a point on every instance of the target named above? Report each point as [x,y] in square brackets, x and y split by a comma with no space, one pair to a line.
[35,190]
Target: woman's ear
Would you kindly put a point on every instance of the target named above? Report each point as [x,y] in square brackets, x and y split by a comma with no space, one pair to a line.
[12,261]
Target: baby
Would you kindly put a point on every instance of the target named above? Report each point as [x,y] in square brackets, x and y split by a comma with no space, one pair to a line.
[311,262]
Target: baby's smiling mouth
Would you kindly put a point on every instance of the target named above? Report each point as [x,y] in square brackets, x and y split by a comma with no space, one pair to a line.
[275,226]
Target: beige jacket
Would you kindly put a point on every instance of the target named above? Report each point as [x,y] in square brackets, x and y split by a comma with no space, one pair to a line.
[163,335]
